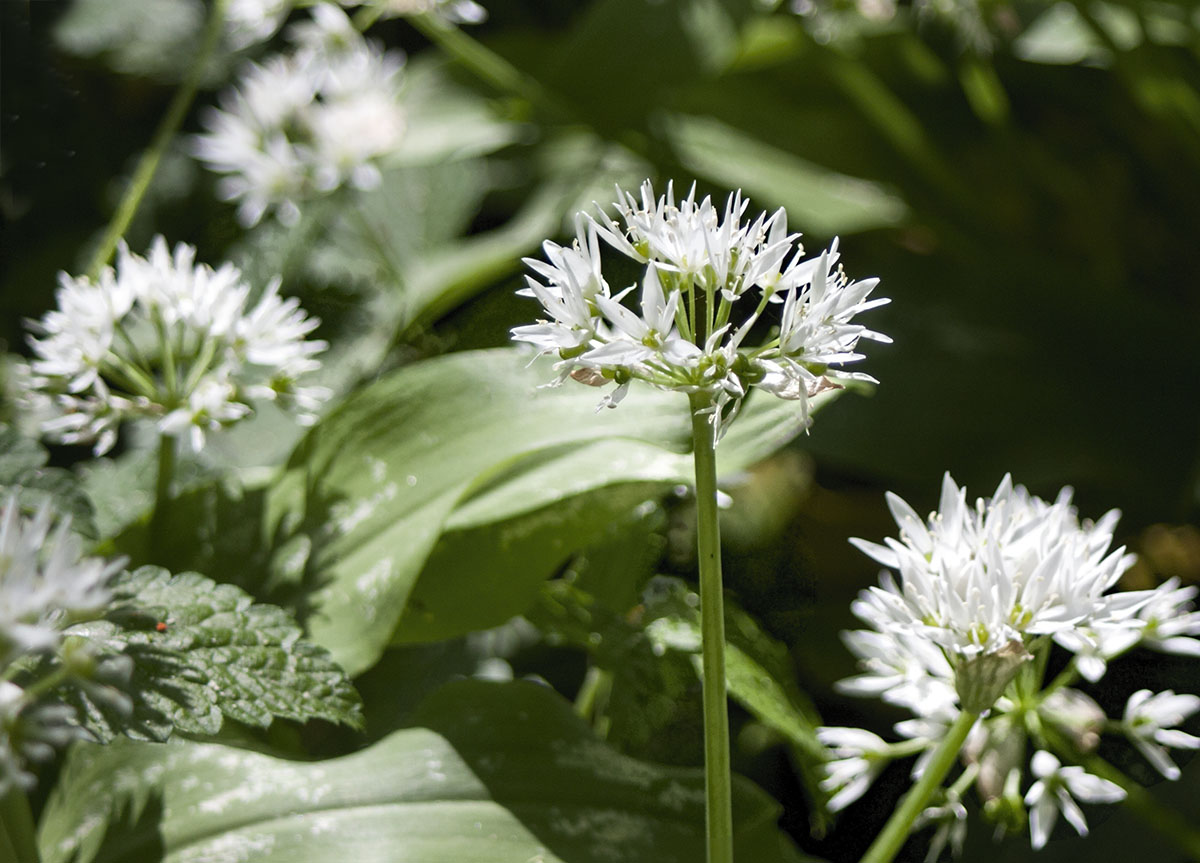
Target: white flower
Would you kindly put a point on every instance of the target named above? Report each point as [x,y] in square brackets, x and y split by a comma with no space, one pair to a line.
[1054,790]
[1172,622]
[448,11]
[166,339]
[1076,713]
[307,122]
[699,262]
[1149,720]
[976,579]
[861,756]
[951,820]
[44,581]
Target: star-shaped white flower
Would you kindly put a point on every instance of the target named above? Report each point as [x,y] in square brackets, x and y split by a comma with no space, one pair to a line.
[1055,791]
[1150,721]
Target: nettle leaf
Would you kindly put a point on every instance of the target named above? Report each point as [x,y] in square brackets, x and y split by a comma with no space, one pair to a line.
[489,772]
[202,652]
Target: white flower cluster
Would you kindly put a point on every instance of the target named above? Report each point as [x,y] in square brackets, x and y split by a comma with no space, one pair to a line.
[975,578]
[975,581]
[307,122]
[699,263]
[166,339]
[44,581]
[45,585]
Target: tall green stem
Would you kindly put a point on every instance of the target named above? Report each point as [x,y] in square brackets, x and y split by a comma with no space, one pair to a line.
[487,64]
[891,839]
[162,496]
[717,780]
[171,121]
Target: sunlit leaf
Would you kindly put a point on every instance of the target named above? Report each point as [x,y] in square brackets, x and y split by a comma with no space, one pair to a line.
[490,772]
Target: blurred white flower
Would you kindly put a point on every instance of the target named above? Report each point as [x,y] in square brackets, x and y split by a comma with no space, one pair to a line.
[860,757]
[1055,790]
[1149,722]
[698,263]
[951,820]
[448,11]
[307,122]
[170,340]
[44,581]
[976,579]
[251,21]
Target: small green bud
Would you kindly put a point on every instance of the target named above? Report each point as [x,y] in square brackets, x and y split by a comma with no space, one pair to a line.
[980,681]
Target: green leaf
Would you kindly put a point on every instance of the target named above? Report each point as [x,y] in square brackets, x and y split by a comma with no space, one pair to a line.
[24,475]
[519,528]
[491,772]
[202,652]
[817,199]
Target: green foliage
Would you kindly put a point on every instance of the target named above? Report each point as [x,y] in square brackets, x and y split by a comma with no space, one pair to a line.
[201,653]
[25,475]
[489,771]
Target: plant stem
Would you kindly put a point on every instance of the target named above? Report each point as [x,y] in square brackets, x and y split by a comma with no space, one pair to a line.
[171,121]
[717,780]
[17,832]
[487,64]
[162,495]
[891,839]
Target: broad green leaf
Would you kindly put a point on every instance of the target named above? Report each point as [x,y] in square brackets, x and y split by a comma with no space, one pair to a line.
[516,531]
[490,772]
[202,652]
[817,199]
[375,482]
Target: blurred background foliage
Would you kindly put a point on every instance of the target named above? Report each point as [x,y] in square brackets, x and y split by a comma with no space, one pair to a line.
[1024,176]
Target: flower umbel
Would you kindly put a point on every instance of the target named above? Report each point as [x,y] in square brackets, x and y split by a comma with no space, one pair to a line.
[687,332]
[305,123]
[167,339]
[976,579]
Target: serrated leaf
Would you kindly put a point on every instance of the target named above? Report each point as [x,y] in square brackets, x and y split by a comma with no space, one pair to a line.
[491,772]
[203,652]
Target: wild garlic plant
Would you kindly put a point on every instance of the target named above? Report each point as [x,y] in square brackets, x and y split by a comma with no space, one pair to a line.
[164,339]
[959,633]
[708,279]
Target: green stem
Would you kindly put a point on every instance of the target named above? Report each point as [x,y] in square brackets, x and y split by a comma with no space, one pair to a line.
[891,839]
[162,496]
[17,833]
[717,780]
[1138,800]
[487,64]
[171,121]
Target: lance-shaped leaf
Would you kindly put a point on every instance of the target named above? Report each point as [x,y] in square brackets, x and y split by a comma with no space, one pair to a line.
[492,772]
[373,486]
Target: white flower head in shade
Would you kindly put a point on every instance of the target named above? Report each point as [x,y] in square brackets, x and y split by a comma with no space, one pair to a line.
[446,11]
[30,731]
[305,123]
[859,757]
[1150,721]
[680,326]
[975,579]
[1055,791]
[169,340]
[45,582]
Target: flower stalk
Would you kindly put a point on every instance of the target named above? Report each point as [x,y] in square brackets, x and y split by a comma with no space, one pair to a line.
[162,494]
[717,780]
[891,839]
[139,183]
